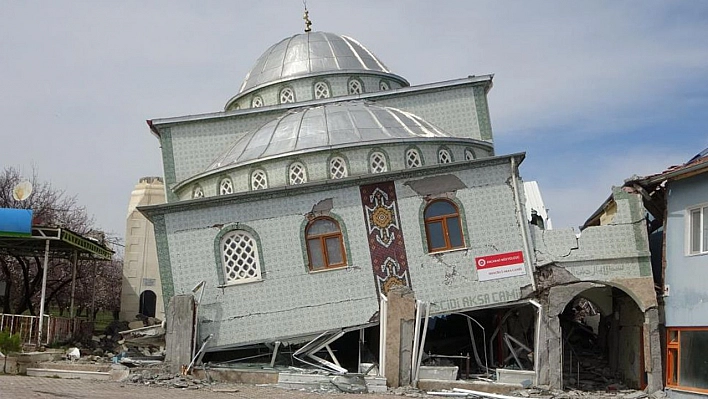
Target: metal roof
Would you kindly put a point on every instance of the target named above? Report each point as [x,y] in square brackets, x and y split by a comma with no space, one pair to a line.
[313,53]
[63,243]
[324,127]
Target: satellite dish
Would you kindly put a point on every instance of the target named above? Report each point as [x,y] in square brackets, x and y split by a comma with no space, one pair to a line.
[22,190]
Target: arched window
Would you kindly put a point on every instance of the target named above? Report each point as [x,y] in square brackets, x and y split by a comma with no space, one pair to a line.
[413,158]
[443,227]
[259,180]
[377,162]
[239,257]
[337,168]
[225,186]
[325,245]
[444,156]
[469,155]
[355,86]
[383,85]
[297,173]
[321,90]
[287,95]
[197,192]
[257,102]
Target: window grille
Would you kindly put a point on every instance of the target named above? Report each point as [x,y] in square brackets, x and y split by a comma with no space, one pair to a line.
[377,163]
[297,174]
[355,86]
[259,180]
[240,257]
[469,155]
[198,192]
[257,102]
[337,168]
[226,187]
[413,159]
[321,90]
[287,95]
[444,156]
[383,85]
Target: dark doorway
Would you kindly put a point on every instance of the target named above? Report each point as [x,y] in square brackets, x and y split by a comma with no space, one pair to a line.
[148,303]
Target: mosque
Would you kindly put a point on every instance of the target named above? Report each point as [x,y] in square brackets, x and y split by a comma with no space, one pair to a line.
[329,181]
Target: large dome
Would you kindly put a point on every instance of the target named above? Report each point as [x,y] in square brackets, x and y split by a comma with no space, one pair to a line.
[313,53]
[327,126]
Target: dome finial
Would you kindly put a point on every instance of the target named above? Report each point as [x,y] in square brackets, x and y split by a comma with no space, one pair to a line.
[306,17]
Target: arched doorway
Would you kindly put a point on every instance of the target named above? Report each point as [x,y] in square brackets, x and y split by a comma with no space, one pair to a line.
[602,340]
[148,303]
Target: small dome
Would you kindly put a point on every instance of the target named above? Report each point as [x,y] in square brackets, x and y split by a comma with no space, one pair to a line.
[312,53]
[326,126]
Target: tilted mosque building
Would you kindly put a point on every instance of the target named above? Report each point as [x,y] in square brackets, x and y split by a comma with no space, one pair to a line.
[328,180]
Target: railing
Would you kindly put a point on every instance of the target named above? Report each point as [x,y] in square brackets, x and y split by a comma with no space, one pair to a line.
[55,329]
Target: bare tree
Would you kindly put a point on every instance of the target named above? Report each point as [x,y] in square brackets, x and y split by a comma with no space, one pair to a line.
[22,273]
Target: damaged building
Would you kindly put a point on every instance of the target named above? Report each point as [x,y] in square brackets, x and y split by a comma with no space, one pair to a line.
[335,216]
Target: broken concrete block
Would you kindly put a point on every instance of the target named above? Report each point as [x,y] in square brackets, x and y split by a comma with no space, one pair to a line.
[350,383]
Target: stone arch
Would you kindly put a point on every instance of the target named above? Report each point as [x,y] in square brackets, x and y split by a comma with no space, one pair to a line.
[633,319]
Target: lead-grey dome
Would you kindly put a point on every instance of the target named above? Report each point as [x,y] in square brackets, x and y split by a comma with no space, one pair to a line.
[328,126]
[309,54]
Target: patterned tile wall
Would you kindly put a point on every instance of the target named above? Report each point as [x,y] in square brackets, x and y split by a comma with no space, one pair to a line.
[453,109]
[290,301]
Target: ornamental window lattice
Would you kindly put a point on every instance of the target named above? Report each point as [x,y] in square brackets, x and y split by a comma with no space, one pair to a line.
[297,174]
[469,155]
[444,156]
[287,95]
[377,163]
[355,86]
[413,159]
[239,255]
[259,180]
[257,102]
[198,192]
[226,187]
[337,168]
[383,85]
[321,90]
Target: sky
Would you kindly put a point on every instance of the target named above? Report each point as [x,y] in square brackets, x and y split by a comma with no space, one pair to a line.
[593,92]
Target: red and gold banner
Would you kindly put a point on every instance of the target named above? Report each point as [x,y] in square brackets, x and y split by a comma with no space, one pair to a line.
[386,245]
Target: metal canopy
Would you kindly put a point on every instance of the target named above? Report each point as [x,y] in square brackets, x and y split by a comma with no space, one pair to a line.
[64,243]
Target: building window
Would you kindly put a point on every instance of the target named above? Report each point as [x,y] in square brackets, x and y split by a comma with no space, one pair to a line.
[469,155]
[377,162]
[444,156]
[257,102]
[259,180]
[325,245]
[198,192]
[337,168]
[226,187]
[321,90]
[239,257]
[685,358]
[383,85]
[698,230]
[413,158]
[355,86]
[287,95]
[297,173]
[443,228]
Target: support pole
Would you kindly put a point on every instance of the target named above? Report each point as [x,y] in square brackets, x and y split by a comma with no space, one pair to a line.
[93,294]
[73,283]
[44,292]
